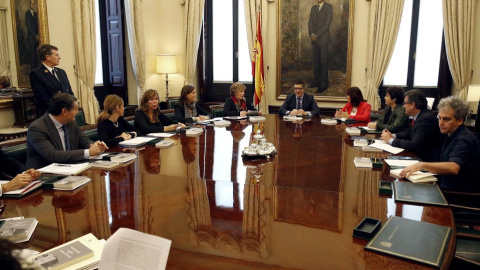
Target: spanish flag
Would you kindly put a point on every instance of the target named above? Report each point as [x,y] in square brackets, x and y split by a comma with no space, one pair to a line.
[257,63]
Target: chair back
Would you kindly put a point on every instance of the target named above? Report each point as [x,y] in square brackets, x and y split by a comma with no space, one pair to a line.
[80,118]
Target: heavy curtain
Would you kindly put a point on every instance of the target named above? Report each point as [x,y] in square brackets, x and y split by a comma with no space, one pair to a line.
[193,20]
[251,8]
[4,61]
[384,23]
[136,42]
[459,24]
[83,16]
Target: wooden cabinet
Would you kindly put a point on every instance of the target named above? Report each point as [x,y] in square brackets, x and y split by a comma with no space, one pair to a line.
[25,107]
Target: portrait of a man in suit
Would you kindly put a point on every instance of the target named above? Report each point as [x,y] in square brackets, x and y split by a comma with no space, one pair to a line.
[31,21]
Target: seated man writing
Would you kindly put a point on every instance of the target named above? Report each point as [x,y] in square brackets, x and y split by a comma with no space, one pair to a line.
[460,155]
[299,103]
[55,137]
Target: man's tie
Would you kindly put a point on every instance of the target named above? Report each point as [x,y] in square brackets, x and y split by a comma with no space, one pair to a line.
[413,122]
[299,104]
[66,138]
[54,72]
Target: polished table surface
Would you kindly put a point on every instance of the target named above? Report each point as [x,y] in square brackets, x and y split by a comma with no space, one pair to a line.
[296,210]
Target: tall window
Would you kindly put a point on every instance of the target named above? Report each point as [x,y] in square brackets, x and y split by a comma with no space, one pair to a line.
[415,61]
[228,58]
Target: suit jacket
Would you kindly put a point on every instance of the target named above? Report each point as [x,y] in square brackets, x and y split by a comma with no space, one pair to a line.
[229,109]
[423,138]
[319,23]
[45,85]
[308,104]
[10,166]
[398,120]
[363,111]
[180,112]
[44,145]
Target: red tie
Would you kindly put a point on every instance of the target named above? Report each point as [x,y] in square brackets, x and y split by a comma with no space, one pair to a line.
[413,121]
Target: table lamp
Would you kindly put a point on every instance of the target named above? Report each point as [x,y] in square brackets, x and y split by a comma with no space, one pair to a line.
[166,64]
[473,97]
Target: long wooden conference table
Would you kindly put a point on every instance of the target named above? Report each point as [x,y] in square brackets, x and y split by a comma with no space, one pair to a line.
[295,211]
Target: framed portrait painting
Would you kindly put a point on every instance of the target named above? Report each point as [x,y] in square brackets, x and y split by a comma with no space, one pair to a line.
[30,29]
[314,45]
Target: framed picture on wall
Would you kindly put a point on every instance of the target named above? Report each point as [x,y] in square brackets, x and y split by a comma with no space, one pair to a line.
[30,29]
[314,45]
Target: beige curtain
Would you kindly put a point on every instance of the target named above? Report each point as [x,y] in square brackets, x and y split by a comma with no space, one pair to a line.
[4,60]
[251,8]
[459,24]
[85,56]
[384,23]
[136,42]
[193,20]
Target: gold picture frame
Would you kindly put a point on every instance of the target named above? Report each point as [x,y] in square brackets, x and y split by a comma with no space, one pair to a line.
[27,37]
[295,54]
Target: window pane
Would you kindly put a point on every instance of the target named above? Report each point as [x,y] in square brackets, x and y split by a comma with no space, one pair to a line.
[98,41]
[429,44]
[222,41]
[244,61]
[398,67]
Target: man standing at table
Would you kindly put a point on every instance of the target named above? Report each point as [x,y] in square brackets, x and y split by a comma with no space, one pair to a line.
[47,79]
[423,137]
[460,155]
[55,137]
[299,103]
[319,31]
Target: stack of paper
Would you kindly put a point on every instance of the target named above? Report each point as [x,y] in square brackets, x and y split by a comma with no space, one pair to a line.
[416,177]
[353,131]
[161,135]
[194,131]
[363,162]
[65,169]
[136,142]
[291,118]
[123,157]
[235,117]
[21,191]
[104,164]
[256,118]
[386,147]
[222,123]
[164,144]
[371,149]
[400,163]
[71,182]
[360,142]
[17,230]
[83,258]
[329,121]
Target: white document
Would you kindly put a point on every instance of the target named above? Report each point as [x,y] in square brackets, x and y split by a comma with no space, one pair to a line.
[367,128]
[130,249]
[291,118]
[65,169]
[400,162]
[99,156]
[161,135]
[386,147]
[138,141]
[235,117]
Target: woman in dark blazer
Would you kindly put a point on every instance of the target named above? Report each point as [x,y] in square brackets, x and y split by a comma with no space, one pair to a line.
[149,119]
[393,118]
[112,128]
[236,105]
[187,109]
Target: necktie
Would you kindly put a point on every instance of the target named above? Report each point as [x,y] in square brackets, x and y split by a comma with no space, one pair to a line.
[413,122]
[66,138]
[54,72]
[299,104]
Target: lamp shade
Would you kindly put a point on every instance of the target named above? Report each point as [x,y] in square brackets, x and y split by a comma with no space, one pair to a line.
[473,97]
[166,63]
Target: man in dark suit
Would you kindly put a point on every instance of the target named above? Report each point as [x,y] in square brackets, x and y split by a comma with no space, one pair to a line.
[55,137]
[299,103]
[47,79]
[319,31]
[31,21]
[423,137]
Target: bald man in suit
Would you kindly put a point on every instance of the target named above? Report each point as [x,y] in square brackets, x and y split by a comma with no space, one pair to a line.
[47,79]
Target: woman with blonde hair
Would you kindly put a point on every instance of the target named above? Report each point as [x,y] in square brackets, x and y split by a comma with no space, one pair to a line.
[149,119]
[187,109]
[237,105]
[112,128]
